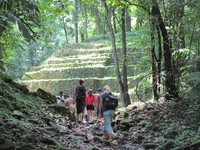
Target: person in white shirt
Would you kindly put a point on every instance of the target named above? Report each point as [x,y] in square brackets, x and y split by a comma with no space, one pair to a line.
[60,99]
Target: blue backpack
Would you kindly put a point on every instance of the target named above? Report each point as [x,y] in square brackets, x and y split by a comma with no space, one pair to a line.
[111,102]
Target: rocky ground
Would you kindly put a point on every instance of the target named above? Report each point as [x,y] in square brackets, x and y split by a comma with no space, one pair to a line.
[32,121]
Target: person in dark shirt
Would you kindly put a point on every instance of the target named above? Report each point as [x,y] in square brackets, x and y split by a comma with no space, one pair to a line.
[80,95]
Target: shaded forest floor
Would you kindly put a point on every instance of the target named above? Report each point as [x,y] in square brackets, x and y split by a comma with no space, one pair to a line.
[33,121]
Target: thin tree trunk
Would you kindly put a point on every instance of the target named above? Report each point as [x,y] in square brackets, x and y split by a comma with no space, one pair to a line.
[153,61]
[171,91]
[65,31]
[114,20]
[76,20]
[2,65]
[159,60]
[108,18]
[128,21]
[179,41]
[180,26]
[85,21]
[97,19]
[124,68]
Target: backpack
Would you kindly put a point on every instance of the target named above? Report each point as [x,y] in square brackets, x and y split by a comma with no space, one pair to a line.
[111,102]
[80,91]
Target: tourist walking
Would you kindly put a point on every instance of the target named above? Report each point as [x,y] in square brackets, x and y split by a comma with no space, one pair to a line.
[107,114]
[90,101]
[80,95]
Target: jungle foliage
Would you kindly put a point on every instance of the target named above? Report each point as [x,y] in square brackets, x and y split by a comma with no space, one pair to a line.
[163,35]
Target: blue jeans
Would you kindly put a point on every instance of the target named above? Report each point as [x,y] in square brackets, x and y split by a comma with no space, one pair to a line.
[108,115]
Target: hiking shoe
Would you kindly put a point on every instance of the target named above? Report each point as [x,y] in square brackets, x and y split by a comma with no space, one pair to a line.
[91,122]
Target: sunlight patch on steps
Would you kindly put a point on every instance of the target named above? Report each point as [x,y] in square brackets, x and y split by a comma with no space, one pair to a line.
[82,52]
[94,49]
[69,65]
[79,68]
[107,53]
[65,68]
[70,79]
[76,61]
[81,57]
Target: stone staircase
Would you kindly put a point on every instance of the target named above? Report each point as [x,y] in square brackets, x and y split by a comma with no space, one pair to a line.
[61,72]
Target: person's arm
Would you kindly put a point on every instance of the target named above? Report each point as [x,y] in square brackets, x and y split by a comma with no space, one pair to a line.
[71,100]
[94,101]
[66,103]
[75,95]
[100,106]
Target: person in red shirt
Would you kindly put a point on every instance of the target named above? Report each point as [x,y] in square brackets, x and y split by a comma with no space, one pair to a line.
[90,98]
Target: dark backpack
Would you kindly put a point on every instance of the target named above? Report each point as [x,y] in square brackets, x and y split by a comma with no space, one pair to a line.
[111,102]
[80,91]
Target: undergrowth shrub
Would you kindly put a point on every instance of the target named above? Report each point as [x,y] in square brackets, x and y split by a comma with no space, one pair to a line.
[185,137]
[193,95]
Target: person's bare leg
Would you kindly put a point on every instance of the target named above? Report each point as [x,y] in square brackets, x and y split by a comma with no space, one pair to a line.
[92,115]
[110,138]
[106,136]
[80,116]
[89,115]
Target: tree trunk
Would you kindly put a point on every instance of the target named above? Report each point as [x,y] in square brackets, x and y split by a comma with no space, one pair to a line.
[159,60]
[124,68]
[76,20]
[76,32]
[180,26]
[105,27]
[2,65]
[180,39]
[82,35]
[128,21]
[108,19]
[170,89]
[65,31]
[153,61]
[114,20]
[97,19]
[85,21]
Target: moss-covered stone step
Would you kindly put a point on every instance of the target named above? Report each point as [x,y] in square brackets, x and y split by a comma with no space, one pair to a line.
[79,59]
[70,52]
[103,50]
[63,70]
[68,65]
[68,85]
[81,72]
[88,54]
